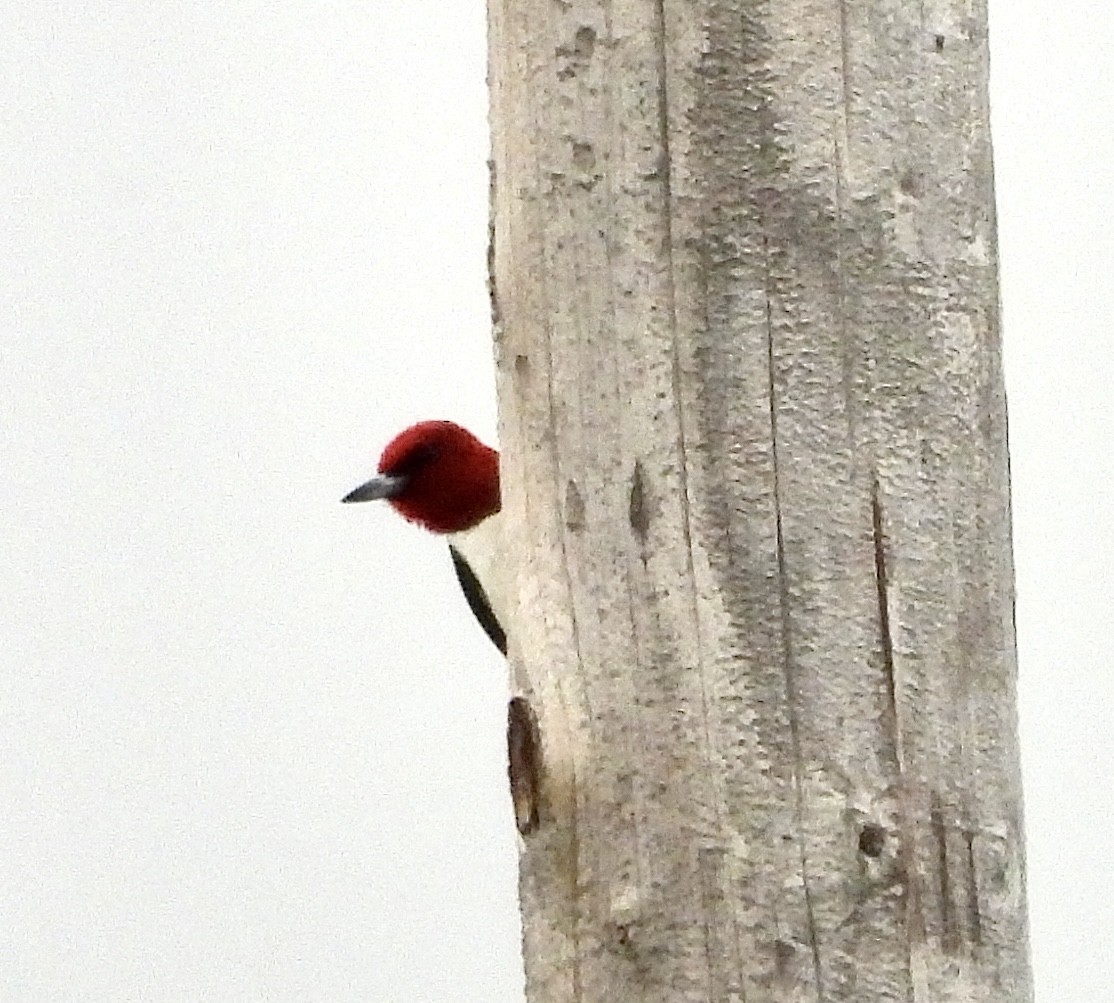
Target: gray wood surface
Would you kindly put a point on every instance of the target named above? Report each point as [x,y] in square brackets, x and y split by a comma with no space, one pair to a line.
[754,443]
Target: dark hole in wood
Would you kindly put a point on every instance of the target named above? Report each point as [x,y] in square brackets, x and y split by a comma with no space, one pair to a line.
[523,763]
[872,839]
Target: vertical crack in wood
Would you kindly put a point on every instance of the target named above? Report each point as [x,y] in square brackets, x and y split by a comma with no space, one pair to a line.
[949,920]
[492,286]
[708,893]
[666,166]
[640,524]
[787,646]
[841,159]
[914,918]
[882,584]
[637,514]
[573,818]
[638,517]
[714,764]
[846,340]
[841,155]
[666,175]
[572,871]
[845,59]
[974,915]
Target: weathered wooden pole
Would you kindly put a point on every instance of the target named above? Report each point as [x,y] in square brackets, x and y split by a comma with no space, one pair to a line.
[744,277]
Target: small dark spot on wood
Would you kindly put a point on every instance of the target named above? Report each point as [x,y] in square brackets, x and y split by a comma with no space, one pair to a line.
[572,60]
[872,840]
[910,185]
[939,43]
[574,508]
[583,156]
[584,161]
[783,956]
[585,43]
[523,763]
[522,366]
[639,516]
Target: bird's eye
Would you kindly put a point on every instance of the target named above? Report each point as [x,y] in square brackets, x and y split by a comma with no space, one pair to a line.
[416,459]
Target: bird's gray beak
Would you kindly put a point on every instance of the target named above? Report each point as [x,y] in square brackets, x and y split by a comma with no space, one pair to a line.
[380,486]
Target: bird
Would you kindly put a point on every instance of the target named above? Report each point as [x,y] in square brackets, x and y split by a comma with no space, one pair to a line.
[438,475]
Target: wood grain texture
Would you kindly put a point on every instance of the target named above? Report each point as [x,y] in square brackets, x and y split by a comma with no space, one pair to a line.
[744,283]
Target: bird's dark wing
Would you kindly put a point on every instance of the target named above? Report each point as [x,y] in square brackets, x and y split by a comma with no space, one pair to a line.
[477,600]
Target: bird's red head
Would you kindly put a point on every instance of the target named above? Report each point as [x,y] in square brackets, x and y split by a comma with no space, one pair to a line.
[446,479]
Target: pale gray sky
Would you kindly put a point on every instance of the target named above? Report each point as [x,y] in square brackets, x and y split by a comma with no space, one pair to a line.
[250,742]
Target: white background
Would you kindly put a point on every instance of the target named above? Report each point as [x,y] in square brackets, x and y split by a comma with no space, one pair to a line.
[250,742]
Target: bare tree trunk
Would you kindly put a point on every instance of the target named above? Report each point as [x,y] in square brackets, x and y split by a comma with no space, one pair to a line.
[746,299]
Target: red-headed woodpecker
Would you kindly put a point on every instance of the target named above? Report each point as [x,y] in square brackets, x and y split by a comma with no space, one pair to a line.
[442,477]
